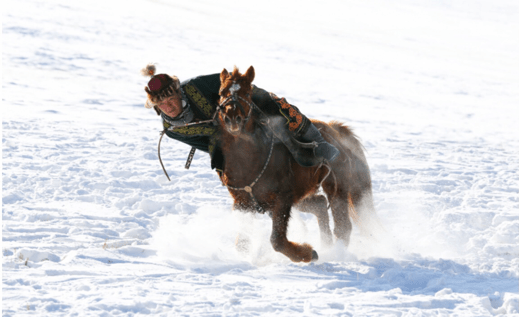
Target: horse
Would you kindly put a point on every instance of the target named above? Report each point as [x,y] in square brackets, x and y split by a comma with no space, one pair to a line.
[262,175]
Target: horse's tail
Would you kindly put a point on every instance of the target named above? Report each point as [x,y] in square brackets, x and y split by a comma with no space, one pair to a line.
[349,139]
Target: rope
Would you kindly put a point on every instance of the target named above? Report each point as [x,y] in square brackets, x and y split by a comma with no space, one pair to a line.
[172,126]
[191,153]
[160,160]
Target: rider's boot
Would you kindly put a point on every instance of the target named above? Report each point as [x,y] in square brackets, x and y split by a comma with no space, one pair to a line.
[322,149]
[308,148]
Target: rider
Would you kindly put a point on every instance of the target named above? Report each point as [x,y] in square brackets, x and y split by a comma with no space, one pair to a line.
[196,100]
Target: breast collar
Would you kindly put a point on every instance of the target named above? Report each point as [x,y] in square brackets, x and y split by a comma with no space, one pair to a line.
[185,117]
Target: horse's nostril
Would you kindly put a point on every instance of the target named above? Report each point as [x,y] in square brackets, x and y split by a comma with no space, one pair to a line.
[238,119]
[227,120]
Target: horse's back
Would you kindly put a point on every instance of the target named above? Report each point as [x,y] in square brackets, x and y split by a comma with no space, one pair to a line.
[352,160]
[337,132]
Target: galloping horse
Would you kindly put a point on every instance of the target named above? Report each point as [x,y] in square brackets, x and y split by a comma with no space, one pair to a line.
[262,175]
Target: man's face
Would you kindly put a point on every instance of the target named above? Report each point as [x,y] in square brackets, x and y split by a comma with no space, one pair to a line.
[171,106]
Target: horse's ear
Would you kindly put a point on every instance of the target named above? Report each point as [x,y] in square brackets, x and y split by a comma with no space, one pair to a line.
[223,75]
[249,75]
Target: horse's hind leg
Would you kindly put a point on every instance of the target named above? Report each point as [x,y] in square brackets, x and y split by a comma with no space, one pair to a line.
[362,211]
[294,251]
[318,206]
[341,219]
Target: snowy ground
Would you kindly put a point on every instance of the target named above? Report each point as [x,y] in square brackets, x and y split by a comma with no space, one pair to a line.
[91,226]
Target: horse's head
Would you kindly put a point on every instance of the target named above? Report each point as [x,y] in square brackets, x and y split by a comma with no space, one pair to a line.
[235,99]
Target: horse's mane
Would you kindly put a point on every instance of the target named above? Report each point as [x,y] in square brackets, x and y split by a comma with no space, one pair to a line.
[235,74]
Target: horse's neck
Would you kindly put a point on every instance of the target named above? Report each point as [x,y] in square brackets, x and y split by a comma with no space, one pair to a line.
[247,152]
[252,139]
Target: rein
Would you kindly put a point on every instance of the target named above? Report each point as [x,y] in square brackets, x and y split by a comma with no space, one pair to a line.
[160,160]
[193,149]
[232,99]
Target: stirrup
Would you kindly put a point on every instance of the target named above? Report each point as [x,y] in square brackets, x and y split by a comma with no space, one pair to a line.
[321,148]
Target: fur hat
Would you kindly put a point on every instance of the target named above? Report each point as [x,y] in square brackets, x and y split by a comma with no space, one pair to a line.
[160,86]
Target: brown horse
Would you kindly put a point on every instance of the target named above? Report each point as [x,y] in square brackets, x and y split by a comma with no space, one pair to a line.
[263,176]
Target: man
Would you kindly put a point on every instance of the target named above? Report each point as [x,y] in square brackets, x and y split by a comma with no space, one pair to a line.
[196,100]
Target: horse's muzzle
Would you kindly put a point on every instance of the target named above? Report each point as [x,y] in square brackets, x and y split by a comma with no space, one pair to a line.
[234,130]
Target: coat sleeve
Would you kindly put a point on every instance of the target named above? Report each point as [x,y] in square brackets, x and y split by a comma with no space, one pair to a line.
[202,94]
[296,122]
[264,101]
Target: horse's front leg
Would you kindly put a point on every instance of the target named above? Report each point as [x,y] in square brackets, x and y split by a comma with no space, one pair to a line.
[294,251]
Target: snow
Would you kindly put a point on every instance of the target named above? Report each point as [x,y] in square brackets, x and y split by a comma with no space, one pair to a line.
[91,226]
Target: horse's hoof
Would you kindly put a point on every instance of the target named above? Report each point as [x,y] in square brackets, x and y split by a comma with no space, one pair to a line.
[315,257]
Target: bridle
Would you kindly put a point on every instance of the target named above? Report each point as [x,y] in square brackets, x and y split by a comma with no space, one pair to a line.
[234,100]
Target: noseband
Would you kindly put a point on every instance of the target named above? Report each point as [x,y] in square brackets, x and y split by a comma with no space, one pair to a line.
[234,100]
